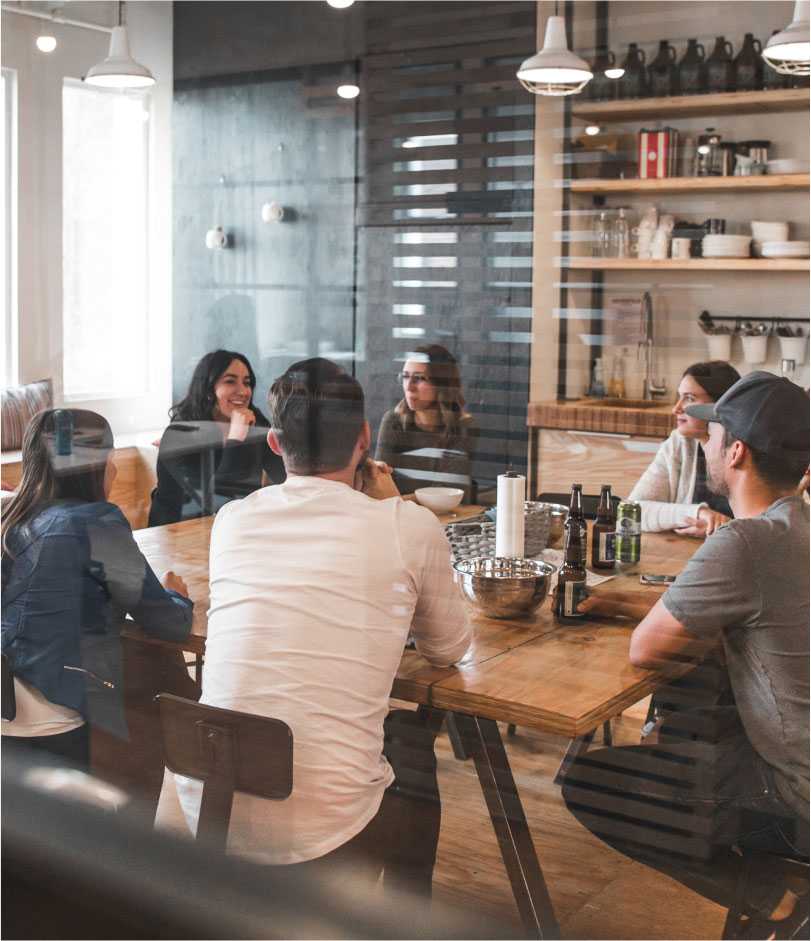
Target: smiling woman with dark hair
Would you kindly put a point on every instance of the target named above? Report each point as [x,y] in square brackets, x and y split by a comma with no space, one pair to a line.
[216,447]
[673,491]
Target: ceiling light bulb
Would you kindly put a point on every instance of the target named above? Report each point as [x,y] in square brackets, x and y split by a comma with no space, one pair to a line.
[340,4]
[46,43]
[348,91]
[789,51]
[593,130]
[615,72]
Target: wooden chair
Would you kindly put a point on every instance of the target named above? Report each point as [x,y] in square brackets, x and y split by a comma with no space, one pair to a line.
[228,751]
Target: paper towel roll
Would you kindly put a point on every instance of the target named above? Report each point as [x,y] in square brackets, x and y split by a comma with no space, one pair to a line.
[510,516]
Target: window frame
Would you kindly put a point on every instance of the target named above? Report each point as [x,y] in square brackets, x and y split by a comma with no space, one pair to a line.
[122,411]
[11,352]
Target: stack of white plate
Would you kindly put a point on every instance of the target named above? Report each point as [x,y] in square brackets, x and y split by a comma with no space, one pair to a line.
[725,246]
[787,165]
[785,249]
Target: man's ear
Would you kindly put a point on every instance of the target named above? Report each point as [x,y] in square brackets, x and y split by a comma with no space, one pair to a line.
[365,439]
[737,454]
[273,443]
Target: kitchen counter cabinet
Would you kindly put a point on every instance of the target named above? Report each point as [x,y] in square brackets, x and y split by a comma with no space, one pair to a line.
[591,458]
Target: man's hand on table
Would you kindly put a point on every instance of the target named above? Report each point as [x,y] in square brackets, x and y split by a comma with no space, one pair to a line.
[172,582]
[377,481]
[620,604]
[704,524]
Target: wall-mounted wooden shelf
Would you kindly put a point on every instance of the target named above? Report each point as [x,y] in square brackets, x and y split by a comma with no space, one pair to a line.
[687,264]
[740,102]
[696,184]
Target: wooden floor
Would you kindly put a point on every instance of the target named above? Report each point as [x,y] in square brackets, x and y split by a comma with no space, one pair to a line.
[597,893]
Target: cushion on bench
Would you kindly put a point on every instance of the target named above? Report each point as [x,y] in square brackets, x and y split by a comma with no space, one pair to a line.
[19,405]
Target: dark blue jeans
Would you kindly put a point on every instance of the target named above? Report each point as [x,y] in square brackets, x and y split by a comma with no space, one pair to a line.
[680,806]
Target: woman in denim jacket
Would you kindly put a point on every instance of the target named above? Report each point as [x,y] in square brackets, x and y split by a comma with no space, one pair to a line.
[71,571]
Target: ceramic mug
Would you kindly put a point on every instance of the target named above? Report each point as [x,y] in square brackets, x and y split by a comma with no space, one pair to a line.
[680,248]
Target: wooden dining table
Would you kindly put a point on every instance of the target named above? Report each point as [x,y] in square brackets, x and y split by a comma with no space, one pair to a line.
[530,671]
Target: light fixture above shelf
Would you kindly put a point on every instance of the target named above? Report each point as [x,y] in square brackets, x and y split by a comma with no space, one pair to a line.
[555,70]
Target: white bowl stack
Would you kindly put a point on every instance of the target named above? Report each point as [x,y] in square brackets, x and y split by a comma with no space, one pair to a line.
[725,246]
[767,232]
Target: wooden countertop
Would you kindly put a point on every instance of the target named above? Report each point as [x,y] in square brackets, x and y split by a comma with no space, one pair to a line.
[632,418]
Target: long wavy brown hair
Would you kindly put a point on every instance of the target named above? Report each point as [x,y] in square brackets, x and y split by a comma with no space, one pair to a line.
[46,477]
[443,371]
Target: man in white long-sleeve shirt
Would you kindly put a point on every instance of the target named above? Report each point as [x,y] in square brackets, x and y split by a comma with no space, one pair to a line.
[316,584]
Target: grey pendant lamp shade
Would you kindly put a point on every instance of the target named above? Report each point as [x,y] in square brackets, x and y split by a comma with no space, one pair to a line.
[554,70]
[119,69]
[789,51]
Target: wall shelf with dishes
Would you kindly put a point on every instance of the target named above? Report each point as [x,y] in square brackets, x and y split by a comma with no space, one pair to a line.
[762,265]
[683,106]
[693,184]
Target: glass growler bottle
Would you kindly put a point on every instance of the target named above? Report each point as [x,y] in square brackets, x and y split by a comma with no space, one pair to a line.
[576,513]
[571,587]
[602,533]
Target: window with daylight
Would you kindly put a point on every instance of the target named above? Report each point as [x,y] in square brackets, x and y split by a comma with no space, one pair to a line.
[9,280]
[104,226]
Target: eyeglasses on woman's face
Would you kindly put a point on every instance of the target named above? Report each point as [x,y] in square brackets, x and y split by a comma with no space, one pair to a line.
[418,378]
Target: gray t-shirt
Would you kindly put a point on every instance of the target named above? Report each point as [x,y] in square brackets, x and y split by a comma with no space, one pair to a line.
[748,586]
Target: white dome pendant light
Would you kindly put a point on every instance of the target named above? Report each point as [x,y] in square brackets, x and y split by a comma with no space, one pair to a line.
[119,69]
[789,51]
[555,70]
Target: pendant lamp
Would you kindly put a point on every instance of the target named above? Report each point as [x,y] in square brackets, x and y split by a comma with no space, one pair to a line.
[789,51]
[554,70]
[119,69]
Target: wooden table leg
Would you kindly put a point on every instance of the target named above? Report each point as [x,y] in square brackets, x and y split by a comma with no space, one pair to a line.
[483,742]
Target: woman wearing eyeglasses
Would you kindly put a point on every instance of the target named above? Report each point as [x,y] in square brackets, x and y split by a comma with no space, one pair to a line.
[429,438]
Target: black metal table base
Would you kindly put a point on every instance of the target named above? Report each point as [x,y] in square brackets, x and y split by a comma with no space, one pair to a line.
[481,740]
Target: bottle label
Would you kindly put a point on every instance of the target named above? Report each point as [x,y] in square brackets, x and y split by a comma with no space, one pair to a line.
[605,550]
[573,594]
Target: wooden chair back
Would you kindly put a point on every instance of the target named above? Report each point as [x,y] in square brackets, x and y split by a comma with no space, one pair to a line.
[228,751]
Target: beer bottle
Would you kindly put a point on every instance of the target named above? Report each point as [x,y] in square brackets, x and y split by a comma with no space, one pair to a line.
[602,533]
[571,588]
[576,513]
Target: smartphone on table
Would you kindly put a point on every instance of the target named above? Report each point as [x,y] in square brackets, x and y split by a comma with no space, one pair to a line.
[657,579]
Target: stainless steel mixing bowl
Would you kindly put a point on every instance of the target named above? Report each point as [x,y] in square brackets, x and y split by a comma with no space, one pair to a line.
[504,588]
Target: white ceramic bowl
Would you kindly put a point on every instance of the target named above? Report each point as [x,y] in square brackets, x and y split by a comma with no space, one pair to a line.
[439,499]
[787,165]
[765,231]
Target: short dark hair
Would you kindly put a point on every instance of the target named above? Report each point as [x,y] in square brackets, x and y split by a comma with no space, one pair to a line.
[316,413]
[776,470]
[714,376]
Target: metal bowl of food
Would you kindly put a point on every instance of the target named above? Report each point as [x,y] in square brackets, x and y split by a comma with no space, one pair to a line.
[504,588]
[558,513]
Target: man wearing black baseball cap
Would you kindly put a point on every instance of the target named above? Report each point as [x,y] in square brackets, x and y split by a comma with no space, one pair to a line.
[742,597]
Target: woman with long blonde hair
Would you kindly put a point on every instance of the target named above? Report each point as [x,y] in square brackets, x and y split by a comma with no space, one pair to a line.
[429,437]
